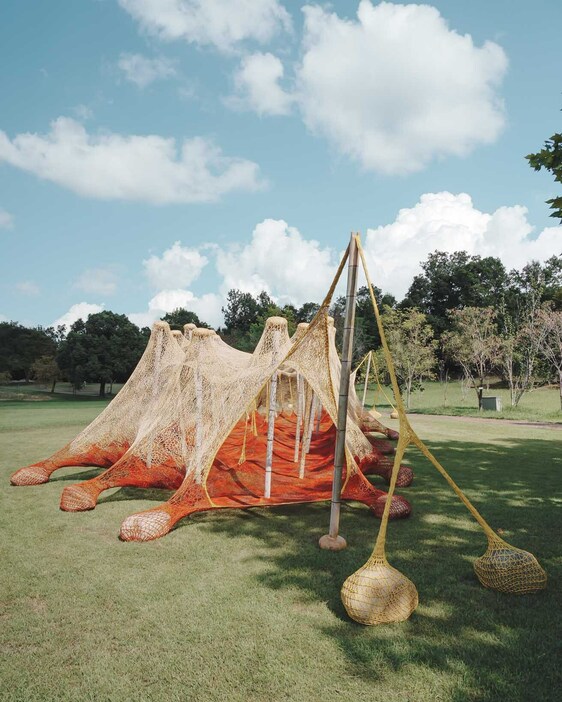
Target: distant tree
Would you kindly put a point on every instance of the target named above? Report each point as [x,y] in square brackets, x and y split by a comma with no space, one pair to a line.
[473,343]
[550,343]
[307,312]
[412,345]
[180,316]
[550,158]
[46,371]
[240,313]
[454,281]
[103,349]
[21,346]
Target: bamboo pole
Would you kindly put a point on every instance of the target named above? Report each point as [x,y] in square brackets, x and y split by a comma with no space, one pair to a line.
[270,434]
[300,402]
[333,541]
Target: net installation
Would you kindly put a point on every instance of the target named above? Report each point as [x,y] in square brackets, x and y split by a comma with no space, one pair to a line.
[222,428]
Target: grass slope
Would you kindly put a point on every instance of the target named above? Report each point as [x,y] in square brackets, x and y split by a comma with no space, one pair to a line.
[243,606]
[540,405]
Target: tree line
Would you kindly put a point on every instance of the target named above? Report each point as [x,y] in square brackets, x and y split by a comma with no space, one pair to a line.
[463,315]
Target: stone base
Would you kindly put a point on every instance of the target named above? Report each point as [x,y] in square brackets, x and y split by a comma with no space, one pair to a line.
[329,543]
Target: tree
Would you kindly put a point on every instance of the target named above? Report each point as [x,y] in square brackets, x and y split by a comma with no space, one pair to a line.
[21,346]
[46,370]
[550,342]
[104,349]
[550,158]
[412,346]
[307,312]
[454,281]
[473,343]
[240,313]
[180,316]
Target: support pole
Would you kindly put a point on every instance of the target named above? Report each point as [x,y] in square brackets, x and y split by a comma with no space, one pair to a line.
[300,403]
[270,434]
[333,541]
[366,379]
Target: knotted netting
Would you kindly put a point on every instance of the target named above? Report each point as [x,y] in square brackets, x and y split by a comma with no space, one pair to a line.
[114,430]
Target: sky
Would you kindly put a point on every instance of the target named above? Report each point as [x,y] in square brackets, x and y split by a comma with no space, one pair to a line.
[156,153]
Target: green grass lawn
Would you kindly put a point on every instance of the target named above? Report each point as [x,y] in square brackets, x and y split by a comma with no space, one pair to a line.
[243,606]
[540,405]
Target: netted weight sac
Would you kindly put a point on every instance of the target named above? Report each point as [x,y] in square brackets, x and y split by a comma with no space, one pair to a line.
[194,428]
[508,569]
[113,431]
[377,593]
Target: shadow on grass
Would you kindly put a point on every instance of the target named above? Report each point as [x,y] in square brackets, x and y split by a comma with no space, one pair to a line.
[494,647]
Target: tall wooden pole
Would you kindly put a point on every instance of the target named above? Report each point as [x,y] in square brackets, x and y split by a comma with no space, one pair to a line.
[333,541]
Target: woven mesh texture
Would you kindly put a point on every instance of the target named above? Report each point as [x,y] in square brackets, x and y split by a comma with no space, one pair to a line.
[379,594]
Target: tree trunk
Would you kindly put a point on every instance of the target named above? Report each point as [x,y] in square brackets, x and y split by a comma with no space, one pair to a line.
[53,386]
[102,388]
[560,385]
[480,391]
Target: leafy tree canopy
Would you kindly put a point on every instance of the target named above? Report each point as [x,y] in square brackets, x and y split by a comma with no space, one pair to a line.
[180,316]
[550,158]
[104,348]
[20,347]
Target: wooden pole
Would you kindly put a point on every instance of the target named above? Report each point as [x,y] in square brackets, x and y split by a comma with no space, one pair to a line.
[333,541]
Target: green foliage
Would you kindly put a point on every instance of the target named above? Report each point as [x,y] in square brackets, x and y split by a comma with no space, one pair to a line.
[245,317]
[412,345]
[46,370]
[103,349]
[20,347]
[180,316]
[550,158]
[454,281]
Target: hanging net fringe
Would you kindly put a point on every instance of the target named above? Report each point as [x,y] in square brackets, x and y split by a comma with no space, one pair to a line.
[377,593]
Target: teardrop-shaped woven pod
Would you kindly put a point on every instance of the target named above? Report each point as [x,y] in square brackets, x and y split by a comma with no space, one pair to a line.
[377,593]
[508,569]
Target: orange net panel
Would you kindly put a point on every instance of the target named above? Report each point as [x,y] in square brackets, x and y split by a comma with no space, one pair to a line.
[235,484]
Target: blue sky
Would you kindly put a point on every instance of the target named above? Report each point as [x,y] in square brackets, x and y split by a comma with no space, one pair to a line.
[258,134]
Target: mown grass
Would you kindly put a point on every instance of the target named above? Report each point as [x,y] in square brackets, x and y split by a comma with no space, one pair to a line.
[243,606]
[540,405]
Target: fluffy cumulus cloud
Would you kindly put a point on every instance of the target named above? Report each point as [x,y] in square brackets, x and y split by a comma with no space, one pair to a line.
[447,222]
[257,86]
[6,219]
[393,89]
[98,281]
[128,167]
[207,307]
[279,260]
[221,23]
[142,71]
[80,310]
[178,267]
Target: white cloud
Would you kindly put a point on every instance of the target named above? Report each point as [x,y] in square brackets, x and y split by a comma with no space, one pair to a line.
[98,281]
[447,222]
[80,310]
[6,219]
[393,90]
[207,307]
[83,112]
[257,86]
[178,266]
[281,262]
[3,318]
[27,287]
[142,71]
[116,167]
[221,23]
